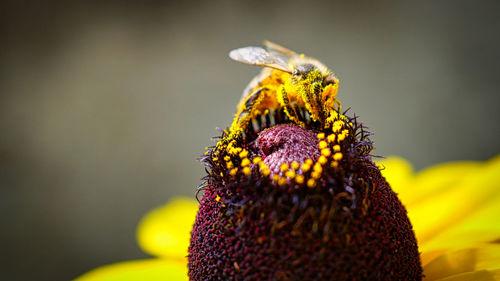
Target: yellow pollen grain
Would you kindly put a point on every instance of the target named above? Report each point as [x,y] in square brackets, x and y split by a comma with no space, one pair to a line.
[317,168]
[306,167]
[217,198]
[215,159]
[316,175]
[266,172]
[299,179]
[337,156]
[229,165]
[243,154]
[311,183]
[336,148]
[284,167]
[282,181]
[339,123]
[290,174]
[322,144]
[341,137]
[326,152]
[245,162]
[227,158]
[331,138]
[309,161]
[295,165]
[322,160]
[256,160]
[233,172]
[276,178]
[321,136]
[334,164]
[247,171]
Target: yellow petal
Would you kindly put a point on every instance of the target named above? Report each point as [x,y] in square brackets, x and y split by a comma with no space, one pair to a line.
[450,208]
[480,275]
[479,227]
[399,174]
[438,179]
[143,270]
[452,263]
[413,188]
[165,231]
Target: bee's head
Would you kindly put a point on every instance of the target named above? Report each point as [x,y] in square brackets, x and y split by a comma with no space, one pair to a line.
[303,69]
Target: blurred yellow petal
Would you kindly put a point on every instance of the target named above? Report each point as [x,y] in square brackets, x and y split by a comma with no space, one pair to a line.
[438,179]
[462,261]
[399,173]
[444,211]
[143,270]
[479,227]
[481,275]
[165,231]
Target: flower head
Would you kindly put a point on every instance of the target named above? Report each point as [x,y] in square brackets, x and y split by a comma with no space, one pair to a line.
[292,194]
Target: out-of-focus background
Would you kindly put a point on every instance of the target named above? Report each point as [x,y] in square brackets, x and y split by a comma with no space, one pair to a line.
[105,106]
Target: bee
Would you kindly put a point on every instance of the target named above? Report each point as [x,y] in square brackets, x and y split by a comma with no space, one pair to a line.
[288,81]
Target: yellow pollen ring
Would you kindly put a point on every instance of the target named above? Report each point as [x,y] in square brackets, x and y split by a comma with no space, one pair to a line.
[247,171]
[299,179]
[233,172]
[243,154]
[284,167]
[311,183]
[306,167]
[322,160]
[331,138]
[322,144]
[337,156]
[256,160]
[245,162]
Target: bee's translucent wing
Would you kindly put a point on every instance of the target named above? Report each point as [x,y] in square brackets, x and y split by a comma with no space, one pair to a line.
[274,48]
[259,56]
[292,57]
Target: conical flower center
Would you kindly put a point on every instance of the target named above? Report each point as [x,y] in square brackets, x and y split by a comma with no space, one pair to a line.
[299,213]
[288,144]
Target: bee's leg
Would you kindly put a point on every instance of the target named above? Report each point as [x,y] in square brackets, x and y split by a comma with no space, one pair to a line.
[315,90]
[284,101]
[247,108]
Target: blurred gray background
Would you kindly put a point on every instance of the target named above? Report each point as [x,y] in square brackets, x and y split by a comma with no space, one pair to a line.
[105,106]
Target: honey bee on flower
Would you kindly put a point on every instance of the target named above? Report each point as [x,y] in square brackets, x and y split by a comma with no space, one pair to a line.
[302,86]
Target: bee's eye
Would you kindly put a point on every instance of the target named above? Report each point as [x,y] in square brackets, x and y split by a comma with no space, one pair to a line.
[305,68]
[330,79]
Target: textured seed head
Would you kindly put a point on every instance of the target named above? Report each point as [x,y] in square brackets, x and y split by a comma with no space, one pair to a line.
[338,220]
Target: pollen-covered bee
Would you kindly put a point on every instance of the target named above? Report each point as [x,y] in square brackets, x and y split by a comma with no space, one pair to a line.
[301,87]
